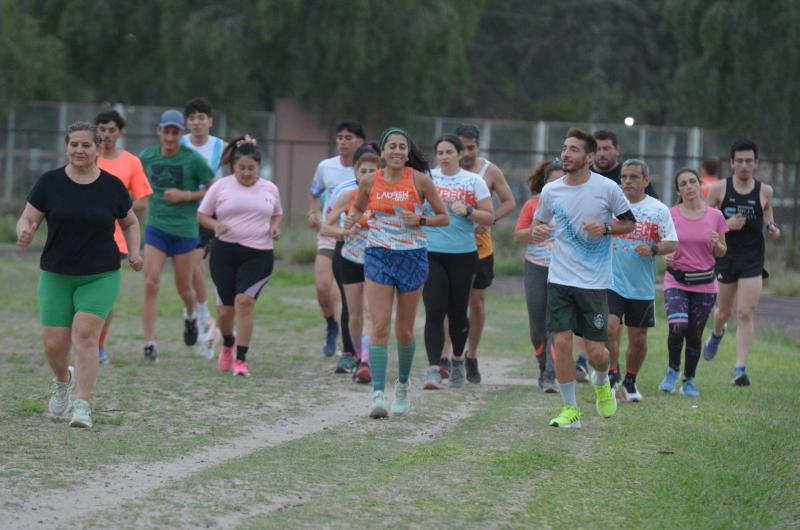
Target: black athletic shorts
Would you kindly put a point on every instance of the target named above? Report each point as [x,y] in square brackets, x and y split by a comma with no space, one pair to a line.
[484,273]
[731,268]
[352,272]
[236,269]
[632,313]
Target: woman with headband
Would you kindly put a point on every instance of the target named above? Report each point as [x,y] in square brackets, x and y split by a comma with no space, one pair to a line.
[396,257]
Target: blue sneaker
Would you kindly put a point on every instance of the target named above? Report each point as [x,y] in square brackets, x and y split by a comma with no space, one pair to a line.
[711,347]
[101,355]
[688,389]
[582,369]
[670,381]
[329,349]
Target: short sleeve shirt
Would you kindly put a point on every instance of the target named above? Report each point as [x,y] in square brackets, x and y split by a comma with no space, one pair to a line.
[695,252]
[330,173]
[634,275]
[247,211]
[536,253]
[127,168]
[459,236]
[580,260]
[80,222]
[185,170]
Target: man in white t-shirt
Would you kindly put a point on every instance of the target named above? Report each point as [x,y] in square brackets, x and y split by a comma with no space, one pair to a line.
[330,173]
[199,118]
[631,297]
[580,205]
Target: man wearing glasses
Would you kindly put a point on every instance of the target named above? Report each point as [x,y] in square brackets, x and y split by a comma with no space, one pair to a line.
[746,204]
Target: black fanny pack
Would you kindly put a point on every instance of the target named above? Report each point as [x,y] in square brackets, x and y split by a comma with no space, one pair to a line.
[692,278]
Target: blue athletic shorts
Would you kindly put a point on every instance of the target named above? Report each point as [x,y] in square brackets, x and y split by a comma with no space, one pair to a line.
[167,243]
[405,269]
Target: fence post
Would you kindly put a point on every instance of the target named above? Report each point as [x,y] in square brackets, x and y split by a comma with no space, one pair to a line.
[10,143]
[291,180]
[793,260]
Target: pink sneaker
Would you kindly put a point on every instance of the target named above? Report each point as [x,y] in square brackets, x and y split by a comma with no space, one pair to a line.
[240,368]
[226,358]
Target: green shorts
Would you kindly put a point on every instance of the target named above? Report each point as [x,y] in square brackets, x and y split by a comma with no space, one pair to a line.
[584,311]
[61,296]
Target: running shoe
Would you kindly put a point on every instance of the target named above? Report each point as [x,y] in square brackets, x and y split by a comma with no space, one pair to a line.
[345,365]
[190,331]
[549,383]
[631,393]
[101,355]
[711,347]
[61,394]
[540,381]
[329,349]
[150,353]
[740,379]
[445,366]
[81,414]
[688,389]
[670,381]
[473,375]
[606,402]
[363,375]
[457,375]
[433,381]
[568,418]
[402,398]
[226,358]
[378,409]
[614,379]
[240,368]
[582,370]
[209,340]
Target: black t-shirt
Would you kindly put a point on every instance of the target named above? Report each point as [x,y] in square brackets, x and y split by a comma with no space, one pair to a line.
[616,172]
[80,222]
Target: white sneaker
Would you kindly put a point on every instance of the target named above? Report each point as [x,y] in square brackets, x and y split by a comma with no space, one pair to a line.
[209,339]
[61,394]
[81,414]
[631,397]
[379,409]
[402,398]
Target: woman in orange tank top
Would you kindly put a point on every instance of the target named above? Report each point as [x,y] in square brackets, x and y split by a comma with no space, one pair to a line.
[396,257]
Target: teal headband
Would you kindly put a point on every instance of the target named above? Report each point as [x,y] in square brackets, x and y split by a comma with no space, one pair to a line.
[388,132]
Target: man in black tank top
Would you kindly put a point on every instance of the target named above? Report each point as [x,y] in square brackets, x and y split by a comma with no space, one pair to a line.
[747,205]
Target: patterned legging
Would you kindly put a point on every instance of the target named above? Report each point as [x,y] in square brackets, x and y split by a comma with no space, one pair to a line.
[687,314]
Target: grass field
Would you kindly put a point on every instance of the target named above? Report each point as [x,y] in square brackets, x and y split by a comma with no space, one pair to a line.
[177,445]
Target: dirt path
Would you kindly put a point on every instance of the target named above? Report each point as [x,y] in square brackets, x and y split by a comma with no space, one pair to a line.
[107,490]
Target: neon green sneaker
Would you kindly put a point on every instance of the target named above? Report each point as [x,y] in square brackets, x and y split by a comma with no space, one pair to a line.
[379,408]
[569,418]
[606,402]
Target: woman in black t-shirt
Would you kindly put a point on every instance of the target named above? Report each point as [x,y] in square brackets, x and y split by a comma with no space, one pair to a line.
[79,278]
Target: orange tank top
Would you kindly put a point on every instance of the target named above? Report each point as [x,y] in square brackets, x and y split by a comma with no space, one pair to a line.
[386,202]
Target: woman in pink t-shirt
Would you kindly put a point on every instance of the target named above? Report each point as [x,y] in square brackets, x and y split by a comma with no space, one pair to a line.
[245,213]
[690,288]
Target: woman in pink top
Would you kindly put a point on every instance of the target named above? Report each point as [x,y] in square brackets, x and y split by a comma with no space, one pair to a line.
[245,213]
[690,288]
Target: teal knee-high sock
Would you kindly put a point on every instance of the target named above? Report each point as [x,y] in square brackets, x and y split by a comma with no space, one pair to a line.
[378,358]
[405,357]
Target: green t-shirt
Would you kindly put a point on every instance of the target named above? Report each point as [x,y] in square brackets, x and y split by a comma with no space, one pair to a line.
[186,170]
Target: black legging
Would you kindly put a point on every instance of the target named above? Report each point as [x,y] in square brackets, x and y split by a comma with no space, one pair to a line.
[446,293]
[344,321]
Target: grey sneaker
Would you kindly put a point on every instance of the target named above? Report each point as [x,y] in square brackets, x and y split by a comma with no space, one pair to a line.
[346,364]
[402,398]
[81,414]
[549,384]
[378,409]
[61,394]
[457,375]
[433,381]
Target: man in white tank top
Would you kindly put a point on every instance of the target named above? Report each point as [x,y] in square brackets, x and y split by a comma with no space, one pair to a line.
[198,113]
[495,180]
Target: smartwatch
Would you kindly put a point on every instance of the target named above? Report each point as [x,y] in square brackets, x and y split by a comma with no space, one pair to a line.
[608,229]
[423,221]
[654,248]
[470,209]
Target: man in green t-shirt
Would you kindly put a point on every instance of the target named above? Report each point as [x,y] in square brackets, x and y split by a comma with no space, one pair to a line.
[178,176]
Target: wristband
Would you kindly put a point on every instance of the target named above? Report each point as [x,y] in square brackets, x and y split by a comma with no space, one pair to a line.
[608,229]
[423,221]
[470,209]
[654,248]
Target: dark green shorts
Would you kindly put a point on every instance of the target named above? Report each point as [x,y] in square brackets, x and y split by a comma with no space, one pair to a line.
[584,311]
[61,296]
